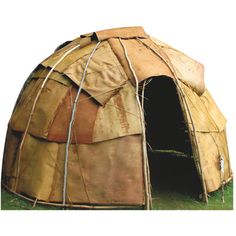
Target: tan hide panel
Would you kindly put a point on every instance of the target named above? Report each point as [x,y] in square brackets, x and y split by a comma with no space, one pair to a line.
[22,110]
[9,159]
[204,112]
[213,110]
[36,168]
[144,62]
[112,172]
[75,177]
[188,70]
[85,117]
[211,146]
[119,117]
[104,75]
[100,173]
[125,32]
[49,100]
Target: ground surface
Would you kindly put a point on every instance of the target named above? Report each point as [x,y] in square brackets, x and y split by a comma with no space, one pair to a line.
[166,200]
[162,200]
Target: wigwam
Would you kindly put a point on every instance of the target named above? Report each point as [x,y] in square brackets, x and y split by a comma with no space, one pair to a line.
[91,118]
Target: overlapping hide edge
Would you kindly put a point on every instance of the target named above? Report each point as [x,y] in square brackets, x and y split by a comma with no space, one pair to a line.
[98,173]
[50,98]
[107,106]
[104,77]
[206,115]
[188,70]
[149,56]
[209,128]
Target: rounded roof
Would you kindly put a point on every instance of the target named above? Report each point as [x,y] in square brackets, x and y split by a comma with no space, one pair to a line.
[107,106]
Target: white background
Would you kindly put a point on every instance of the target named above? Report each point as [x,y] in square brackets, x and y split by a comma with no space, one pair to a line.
[203,29]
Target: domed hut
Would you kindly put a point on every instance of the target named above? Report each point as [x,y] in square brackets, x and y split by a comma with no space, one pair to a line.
[94,116]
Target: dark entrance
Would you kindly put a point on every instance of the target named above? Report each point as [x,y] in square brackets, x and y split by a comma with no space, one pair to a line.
[171,163]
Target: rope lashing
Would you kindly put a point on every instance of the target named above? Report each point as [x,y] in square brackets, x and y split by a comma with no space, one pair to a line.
[34,105]
[72,123]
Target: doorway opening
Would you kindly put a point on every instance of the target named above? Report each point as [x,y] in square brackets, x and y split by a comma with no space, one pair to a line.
[171,162]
